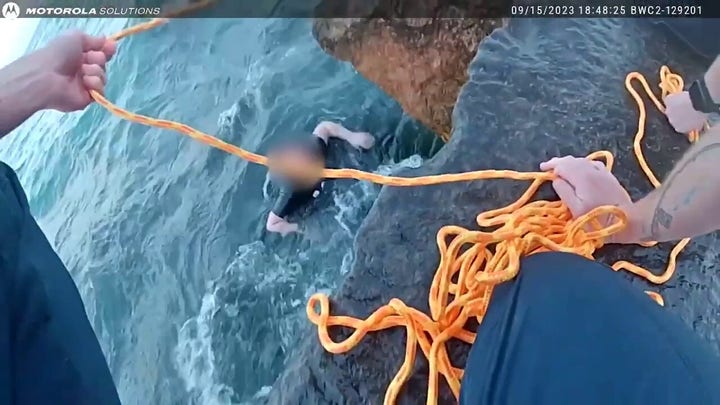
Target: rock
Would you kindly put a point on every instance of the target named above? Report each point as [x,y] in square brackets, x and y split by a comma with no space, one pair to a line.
[537,89]
[420,62]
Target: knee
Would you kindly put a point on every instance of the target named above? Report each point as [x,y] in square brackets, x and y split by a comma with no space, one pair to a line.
[555,263]
[550,274]
[559,267]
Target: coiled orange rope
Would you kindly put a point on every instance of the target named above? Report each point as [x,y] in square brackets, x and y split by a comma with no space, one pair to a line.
[468,268]
[525,228]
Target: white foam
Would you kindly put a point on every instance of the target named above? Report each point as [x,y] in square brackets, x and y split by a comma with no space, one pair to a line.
[411,162]
[195,358]
[266,186]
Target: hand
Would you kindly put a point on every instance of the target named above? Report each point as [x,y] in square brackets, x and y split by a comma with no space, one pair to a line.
[289,228]
[681,114]
[74,63]
[584,185]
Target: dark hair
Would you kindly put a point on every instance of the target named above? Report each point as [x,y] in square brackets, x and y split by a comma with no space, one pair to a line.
[305,144]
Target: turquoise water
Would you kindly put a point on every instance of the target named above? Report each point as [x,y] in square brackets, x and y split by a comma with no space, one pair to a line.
[191,300]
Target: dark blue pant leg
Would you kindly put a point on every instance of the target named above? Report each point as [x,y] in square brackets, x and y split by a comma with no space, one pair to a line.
[49,353]
[571,331]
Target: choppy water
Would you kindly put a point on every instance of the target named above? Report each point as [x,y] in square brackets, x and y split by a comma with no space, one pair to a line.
[191,300]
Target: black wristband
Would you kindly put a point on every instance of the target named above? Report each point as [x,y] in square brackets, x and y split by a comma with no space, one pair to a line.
[700,98]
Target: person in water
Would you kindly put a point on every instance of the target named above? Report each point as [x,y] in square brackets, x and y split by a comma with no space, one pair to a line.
[569,330]
[310,149]
[566,330]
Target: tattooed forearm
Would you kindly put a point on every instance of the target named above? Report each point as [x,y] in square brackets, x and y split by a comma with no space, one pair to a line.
[661,217]
[676,198]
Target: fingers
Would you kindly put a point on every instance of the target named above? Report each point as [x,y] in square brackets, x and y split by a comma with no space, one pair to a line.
[677,99]
[572,168]
[95,58]
[554,162]
[98,45]
[93,83]
[97,52]
[567,194]
[92,43]
[109,48]
[93,71]
[94,77]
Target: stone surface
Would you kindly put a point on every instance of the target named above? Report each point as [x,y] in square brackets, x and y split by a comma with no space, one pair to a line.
[537,89]
[420,62]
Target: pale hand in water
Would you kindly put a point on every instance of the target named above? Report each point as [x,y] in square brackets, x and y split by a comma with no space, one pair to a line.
[362,140]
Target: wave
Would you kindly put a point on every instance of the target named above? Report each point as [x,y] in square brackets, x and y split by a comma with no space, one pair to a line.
[258,304]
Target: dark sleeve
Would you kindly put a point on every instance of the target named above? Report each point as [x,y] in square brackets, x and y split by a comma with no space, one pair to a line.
[569,330]
[6,305]
[694,32]
[54,354]
[320,146]
[282,201]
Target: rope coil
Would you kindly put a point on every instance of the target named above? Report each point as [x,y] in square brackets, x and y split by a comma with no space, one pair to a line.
[474,261]
[525,228]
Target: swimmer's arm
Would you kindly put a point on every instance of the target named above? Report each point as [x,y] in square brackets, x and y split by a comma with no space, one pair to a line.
[279,225]
[23,90]
[688,202]
[275,223]
[328,129]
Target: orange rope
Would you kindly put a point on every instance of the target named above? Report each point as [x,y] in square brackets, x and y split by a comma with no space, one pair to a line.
[468,268]
[262,160]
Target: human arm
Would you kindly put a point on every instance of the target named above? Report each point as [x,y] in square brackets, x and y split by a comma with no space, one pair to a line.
[22,94]
[276,222]
[679,108]
[57,76]
[685,205]
[327,129]
[279,225]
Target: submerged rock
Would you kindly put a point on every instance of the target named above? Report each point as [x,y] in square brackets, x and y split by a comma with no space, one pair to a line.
[536,89]
[420,62]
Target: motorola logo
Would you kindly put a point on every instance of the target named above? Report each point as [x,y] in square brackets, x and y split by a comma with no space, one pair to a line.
[10,10]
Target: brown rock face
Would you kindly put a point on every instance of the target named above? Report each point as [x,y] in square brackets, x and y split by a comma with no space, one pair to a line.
[420,62]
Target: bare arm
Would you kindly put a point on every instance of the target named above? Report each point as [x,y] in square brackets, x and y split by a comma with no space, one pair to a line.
[712,80]
[279,225]
[57,76]
[327,129]
[23,92]
[688,202]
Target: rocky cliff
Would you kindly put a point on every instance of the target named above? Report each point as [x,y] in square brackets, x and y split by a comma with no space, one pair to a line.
[536,89]
[420,62]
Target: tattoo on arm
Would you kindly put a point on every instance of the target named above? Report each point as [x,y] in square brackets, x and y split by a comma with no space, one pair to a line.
[661,216]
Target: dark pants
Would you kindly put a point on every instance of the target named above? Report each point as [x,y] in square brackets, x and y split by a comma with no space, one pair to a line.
[49,353]
[572,331]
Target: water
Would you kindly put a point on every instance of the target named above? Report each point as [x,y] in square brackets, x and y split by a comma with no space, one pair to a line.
[191,300]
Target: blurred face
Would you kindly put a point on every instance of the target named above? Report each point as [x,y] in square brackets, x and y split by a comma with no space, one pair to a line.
[297,164]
